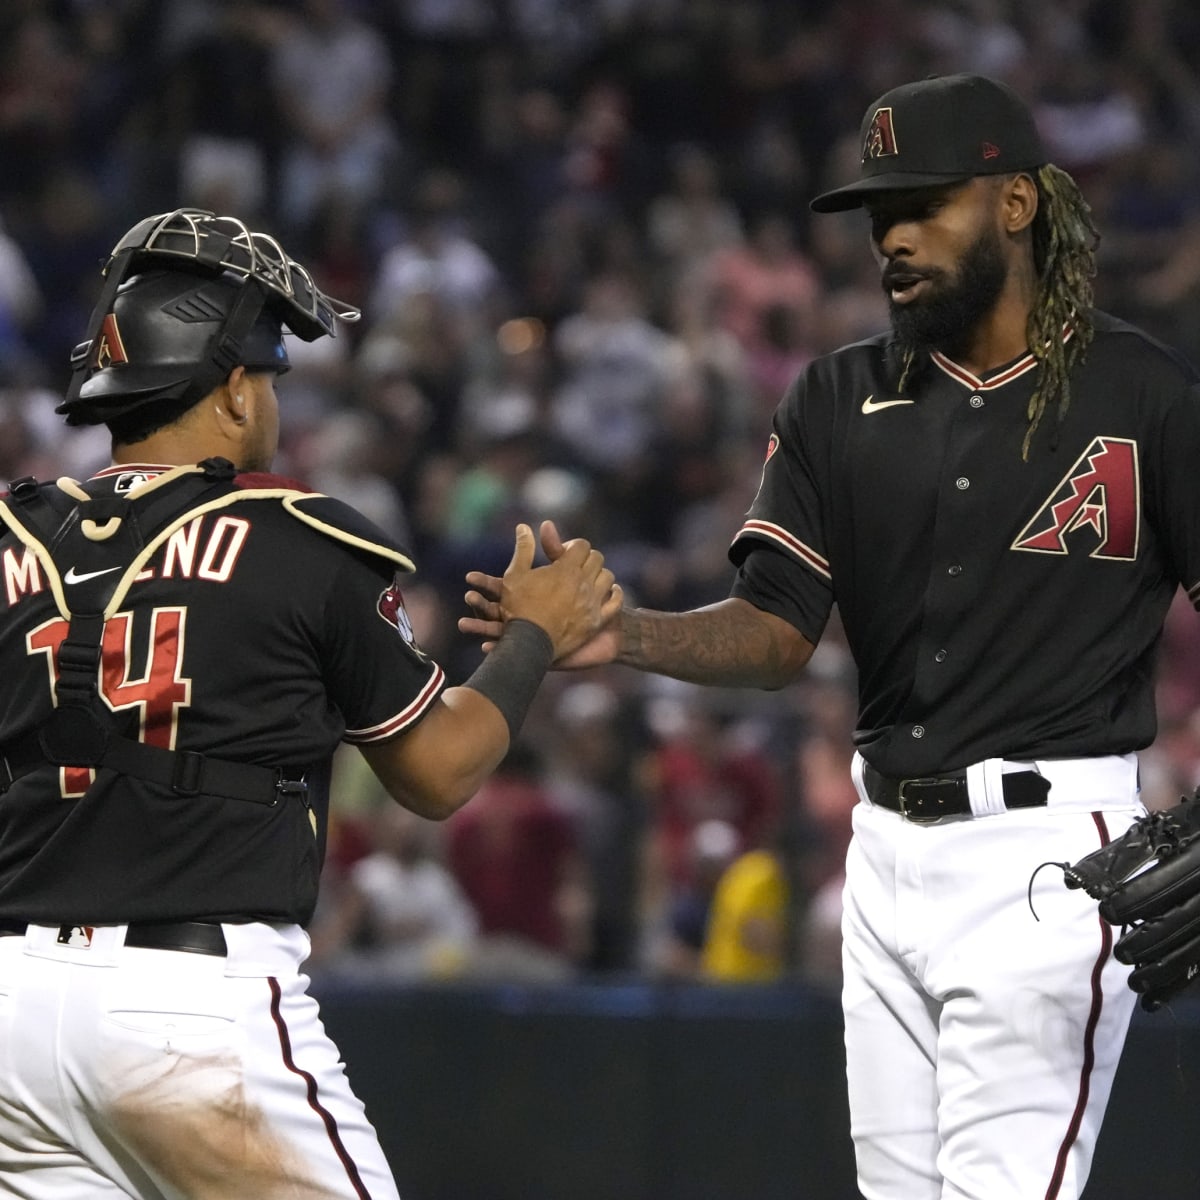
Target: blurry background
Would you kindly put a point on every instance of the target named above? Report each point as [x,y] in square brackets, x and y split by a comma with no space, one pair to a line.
[578,230]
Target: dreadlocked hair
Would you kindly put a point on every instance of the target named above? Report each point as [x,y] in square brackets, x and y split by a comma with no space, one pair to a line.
[1064,257]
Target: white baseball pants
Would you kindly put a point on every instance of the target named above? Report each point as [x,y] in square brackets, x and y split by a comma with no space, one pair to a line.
[984,1017]
[165,1075]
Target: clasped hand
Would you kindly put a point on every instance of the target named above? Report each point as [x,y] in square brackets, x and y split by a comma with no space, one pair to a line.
[573,597]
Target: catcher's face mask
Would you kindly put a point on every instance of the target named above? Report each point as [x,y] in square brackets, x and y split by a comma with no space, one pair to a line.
[188,296]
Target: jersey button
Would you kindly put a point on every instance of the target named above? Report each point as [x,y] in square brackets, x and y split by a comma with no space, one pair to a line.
[962,483]
[918,731]
[976,402]
[954,569]
[940,656]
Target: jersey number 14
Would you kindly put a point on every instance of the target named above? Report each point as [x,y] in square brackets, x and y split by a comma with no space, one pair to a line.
[158,695]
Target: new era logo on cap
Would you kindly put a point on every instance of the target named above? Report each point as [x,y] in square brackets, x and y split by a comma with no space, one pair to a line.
[938,131]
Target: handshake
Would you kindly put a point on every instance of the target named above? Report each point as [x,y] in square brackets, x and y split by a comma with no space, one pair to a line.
[573,598]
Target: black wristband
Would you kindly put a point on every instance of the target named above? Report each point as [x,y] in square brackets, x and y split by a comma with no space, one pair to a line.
[512,672]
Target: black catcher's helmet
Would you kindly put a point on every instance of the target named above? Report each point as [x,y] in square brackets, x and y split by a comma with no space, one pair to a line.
[188,296]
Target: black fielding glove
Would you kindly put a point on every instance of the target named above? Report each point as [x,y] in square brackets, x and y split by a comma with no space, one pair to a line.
[1148,879]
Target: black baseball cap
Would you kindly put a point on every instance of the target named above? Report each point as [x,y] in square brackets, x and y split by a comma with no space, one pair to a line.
[938,131]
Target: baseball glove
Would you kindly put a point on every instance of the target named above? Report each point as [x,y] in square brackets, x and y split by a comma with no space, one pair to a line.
[1148,880]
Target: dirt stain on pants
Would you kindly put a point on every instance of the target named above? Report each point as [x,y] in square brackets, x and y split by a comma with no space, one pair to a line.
[189,1123]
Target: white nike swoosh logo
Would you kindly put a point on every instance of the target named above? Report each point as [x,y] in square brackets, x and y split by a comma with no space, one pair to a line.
[73,576]
[870,404]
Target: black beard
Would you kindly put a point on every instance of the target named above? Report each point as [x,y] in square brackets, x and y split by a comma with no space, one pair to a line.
[946,316]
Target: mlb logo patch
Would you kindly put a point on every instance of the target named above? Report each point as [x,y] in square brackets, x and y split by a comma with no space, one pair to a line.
[79,936]
[128,480]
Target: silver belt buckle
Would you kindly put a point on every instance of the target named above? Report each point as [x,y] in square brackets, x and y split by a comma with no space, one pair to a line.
[902,798]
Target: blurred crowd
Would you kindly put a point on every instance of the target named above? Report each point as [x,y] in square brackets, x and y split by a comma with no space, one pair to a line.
[579,236]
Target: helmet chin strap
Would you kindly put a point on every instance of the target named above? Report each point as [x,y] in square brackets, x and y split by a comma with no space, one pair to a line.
[225,349]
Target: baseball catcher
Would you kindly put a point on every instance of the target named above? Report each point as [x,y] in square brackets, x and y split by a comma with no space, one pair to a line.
[1148,879]
[186,640]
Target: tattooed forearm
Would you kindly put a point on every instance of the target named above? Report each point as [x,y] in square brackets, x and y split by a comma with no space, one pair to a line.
[732,644]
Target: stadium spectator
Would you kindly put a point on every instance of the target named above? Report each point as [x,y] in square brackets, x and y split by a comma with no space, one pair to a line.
[331,75]
[746,939]
[399,914]
[438,257]
[515,856]
[698,770]
[589,772]
[768,273]
[678,950]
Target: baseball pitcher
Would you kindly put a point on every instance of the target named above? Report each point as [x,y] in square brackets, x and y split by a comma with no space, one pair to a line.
[1000,496]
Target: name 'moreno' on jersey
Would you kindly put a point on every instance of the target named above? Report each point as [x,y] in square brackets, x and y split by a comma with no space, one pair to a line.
[207,547]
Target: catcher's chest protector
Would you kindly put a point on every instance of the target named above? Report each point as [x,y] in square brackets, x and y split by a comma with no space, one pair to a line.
[96,547]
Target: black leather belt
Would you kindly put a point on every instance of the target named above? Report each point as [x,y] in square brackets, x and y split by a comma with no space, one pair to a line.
[934,797]
[194,937]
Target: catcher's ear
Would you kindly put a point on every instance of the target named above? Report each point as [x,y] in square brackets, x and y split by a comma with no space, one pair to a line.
[230,397]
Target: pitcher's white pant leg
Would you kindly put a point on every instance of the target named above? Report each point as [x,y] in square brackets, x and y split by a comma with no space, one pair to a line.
[981,1040]
[891,1030]
[1027,1056]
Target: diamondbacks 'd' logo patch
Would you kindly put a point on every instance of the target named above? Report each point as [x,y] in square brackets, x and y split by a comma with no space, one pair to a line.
[772,446]
[880,141]
[1101,494]
[390,607]
[109,349]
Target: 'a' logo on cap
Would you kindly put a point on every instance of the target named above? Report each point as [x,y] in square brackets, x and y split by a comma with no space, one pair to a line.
[880,141]
[109,349]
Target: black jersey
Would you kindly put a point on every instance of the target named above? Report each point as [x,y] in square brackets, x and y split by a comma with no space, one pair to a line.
[995,607]
[266,630]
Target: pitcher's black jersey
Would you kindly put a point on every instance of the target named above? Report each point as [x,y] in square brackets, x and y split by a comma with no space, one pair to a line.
[251,635]
[994,606]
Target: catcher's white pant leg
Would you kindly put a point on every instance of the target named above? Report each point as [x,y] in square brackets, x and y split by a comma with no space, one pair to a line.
[42,1156]
[981,1041]
[173,1076]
